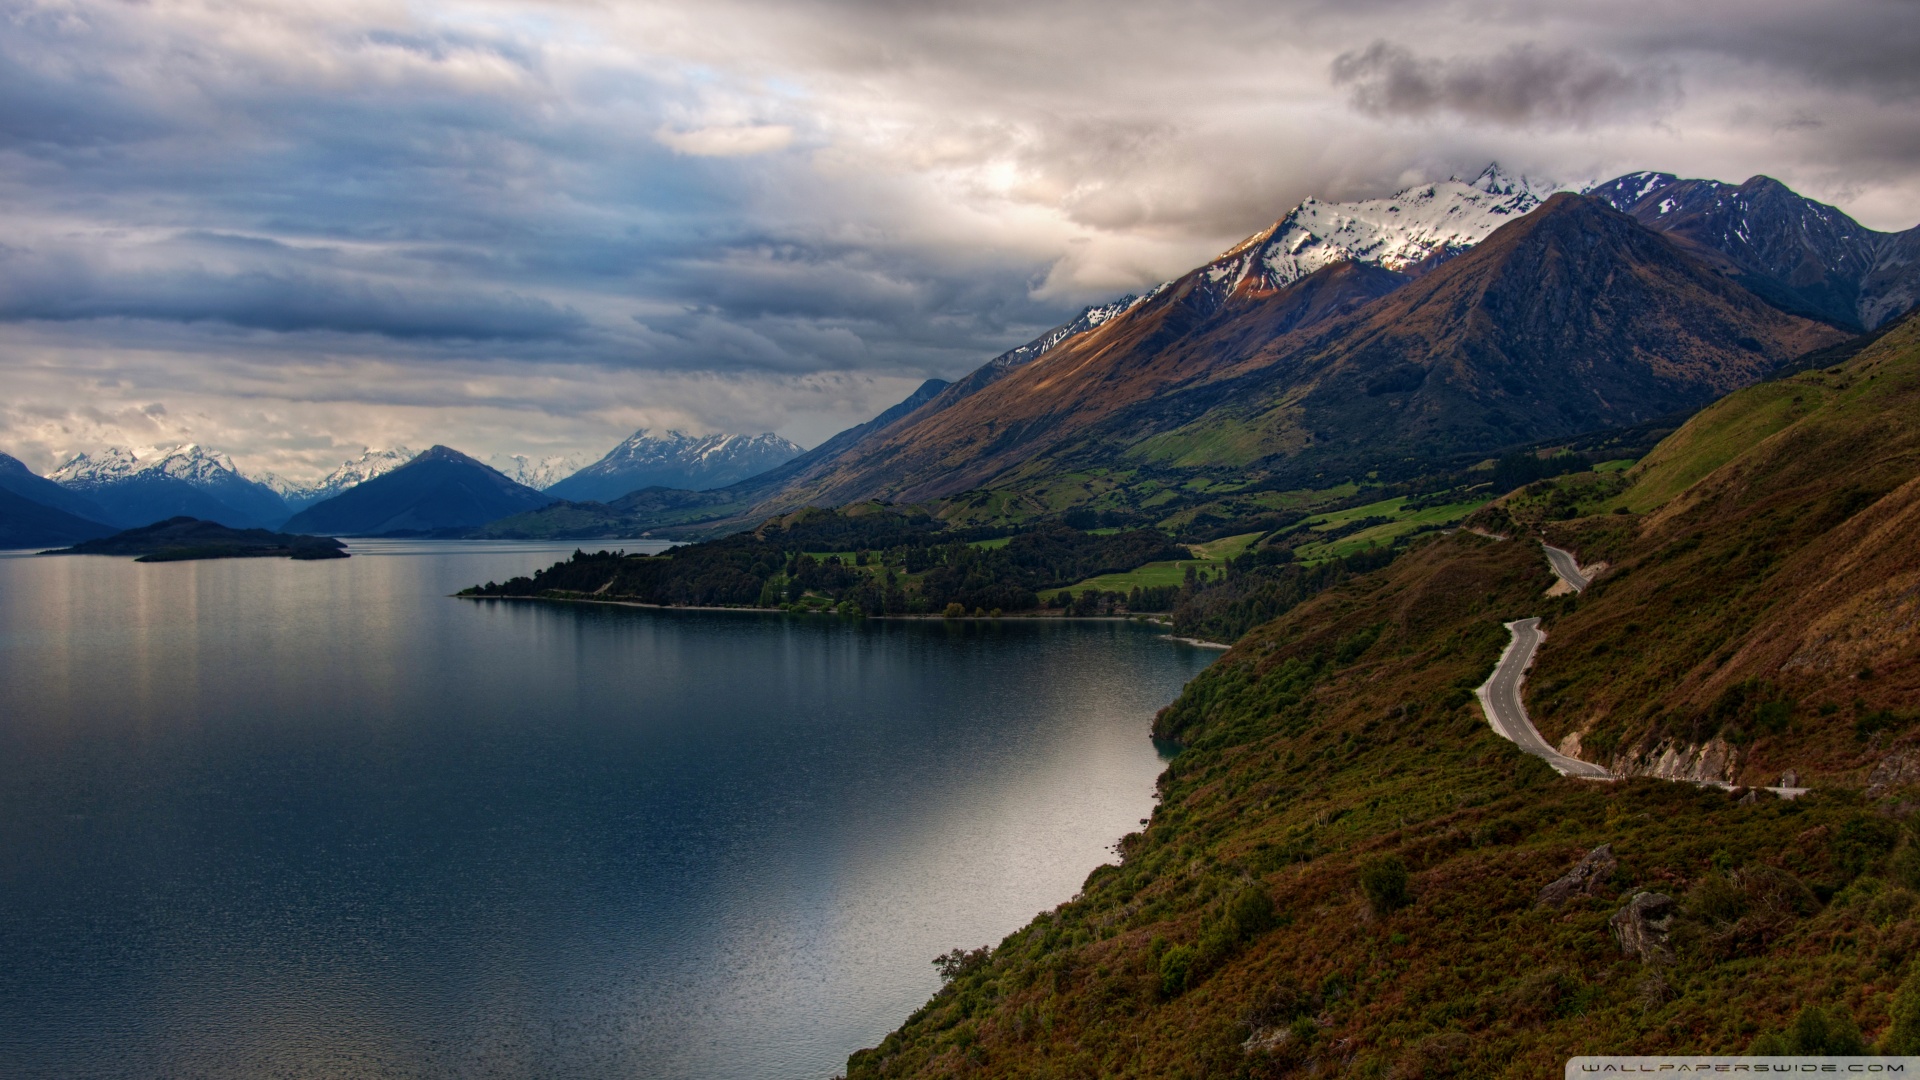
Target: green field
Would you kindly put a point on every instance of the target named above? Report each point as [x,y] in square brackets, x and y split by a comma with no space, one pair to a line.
[1212,555]
[1404,521]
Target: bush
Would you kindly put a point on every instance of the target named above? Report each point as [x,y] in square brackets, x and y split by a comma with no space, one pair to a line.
[1384,881]
[1250,913]
[955,610]
[1815,1032]
[1175,967]
[1903,1036]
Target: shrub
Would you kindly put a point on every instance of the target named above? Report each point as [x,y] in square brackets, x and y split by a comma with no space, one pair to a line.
[1903,1036]
[1384,881]
[955,610]
[1815,1032]
[1176,964]
[1250,912]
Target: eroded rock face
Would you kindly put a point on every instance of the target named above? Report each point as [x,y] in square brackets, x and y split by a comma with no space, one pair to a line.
[1642,927]
[1587,878]
[1898,769]
[1714,761]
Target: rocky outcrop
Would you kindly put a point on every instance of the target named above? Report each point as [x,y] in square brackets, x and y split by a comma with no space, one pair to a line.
[1713,762]
[1587,878]
[1898,769]
[1642,927]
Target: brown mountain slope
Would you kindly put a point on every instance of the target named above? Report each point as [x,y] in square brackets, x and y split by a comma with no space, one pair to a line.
[1185,333]
[1570,319]
[1573,318]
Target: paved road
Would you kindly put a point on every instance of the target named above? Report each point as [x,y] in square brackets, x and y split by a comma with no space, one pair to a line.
[1565,565]
[1500,699]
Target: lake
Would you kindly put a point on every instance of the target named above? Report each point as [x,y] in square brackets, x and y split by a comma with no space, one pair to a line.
[264,818]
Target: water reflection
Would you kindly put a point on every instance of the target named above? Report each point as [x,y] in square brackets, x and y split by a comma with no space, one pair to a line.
[262,817]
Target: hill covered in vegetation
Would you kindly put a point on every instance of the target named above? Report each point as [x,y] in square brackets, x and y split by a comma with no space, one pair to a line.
[1349,874]
[867,559]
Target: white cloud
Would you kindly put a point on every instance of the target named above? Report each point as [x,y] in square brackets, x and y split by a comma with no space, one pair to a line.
[735,141]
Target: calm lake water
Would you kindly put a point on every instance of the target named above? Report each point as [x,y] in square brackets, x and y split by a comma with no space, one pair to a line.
[272,819]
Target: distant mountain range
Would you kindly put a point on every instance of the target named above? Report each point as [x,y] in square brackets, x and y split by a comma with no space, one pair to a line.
[536,473]
[438,491]
[693,463]
[368,465]
[139,486]
[1374,341]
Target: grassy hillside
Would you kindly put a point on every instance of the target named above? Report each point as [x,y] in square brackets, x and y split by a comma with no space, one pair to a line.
[1765,583]
[1344,873]
[1341,879]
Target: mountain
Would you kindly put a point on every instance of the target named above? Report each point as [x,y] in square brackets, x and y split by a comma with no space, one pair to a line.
[441,489]
[1348,873]
[536,473]
[846,440]
[29,485]
[694,463]
[368,465]
[650,508]
[1570,318]
[1424,223]
[138,486]
[1805,256]
[25,523]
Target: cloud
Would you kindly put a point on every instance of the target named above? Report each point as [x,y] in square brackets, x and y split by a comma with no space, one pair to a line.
[300,228]
[737,141]
[1522,85]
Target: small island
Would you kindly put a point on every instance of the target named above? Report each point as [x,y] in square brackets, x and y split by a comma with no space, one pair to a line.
[183,538]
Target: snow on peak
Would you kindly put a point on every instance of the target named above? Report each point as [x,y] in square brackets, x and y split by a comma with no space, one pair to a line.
[536,473]
[369,464]
[677,447]
[1087,319]
[188,461]
[1398,231]
[1395,232]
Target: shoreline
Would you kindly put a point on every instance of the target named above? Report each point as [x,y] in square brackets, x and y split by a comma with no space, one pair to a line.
[1021,616]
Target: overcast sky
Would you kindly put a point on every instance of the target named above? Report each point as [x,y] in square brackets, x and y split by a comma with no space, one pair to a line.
[291,231]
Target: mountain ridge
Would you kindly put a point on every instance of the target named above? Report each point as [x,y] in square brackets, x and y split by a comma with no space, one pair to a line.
[440,490]
[1128,381]
[677,460]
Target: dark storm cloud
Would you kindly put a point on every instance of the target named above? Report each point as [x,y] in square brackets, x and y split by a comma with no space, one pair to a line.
[1523,84]
[282,302]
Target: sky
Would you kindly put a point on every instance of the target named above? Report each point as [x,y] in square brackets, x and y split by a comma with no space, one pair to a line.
[292,231]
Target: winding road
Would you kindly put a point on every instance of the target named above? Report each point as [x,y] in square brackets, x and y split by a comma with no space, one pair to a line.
[1500,700]
[1567,567]
[1500,694]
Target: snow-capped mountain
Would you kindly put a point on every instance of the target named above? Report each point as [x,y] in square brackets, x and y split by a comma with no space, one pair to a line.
[536,473]
[676,460]
[189,461]
[141,485]
[1396,233]
[1799,254]
[357,471]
